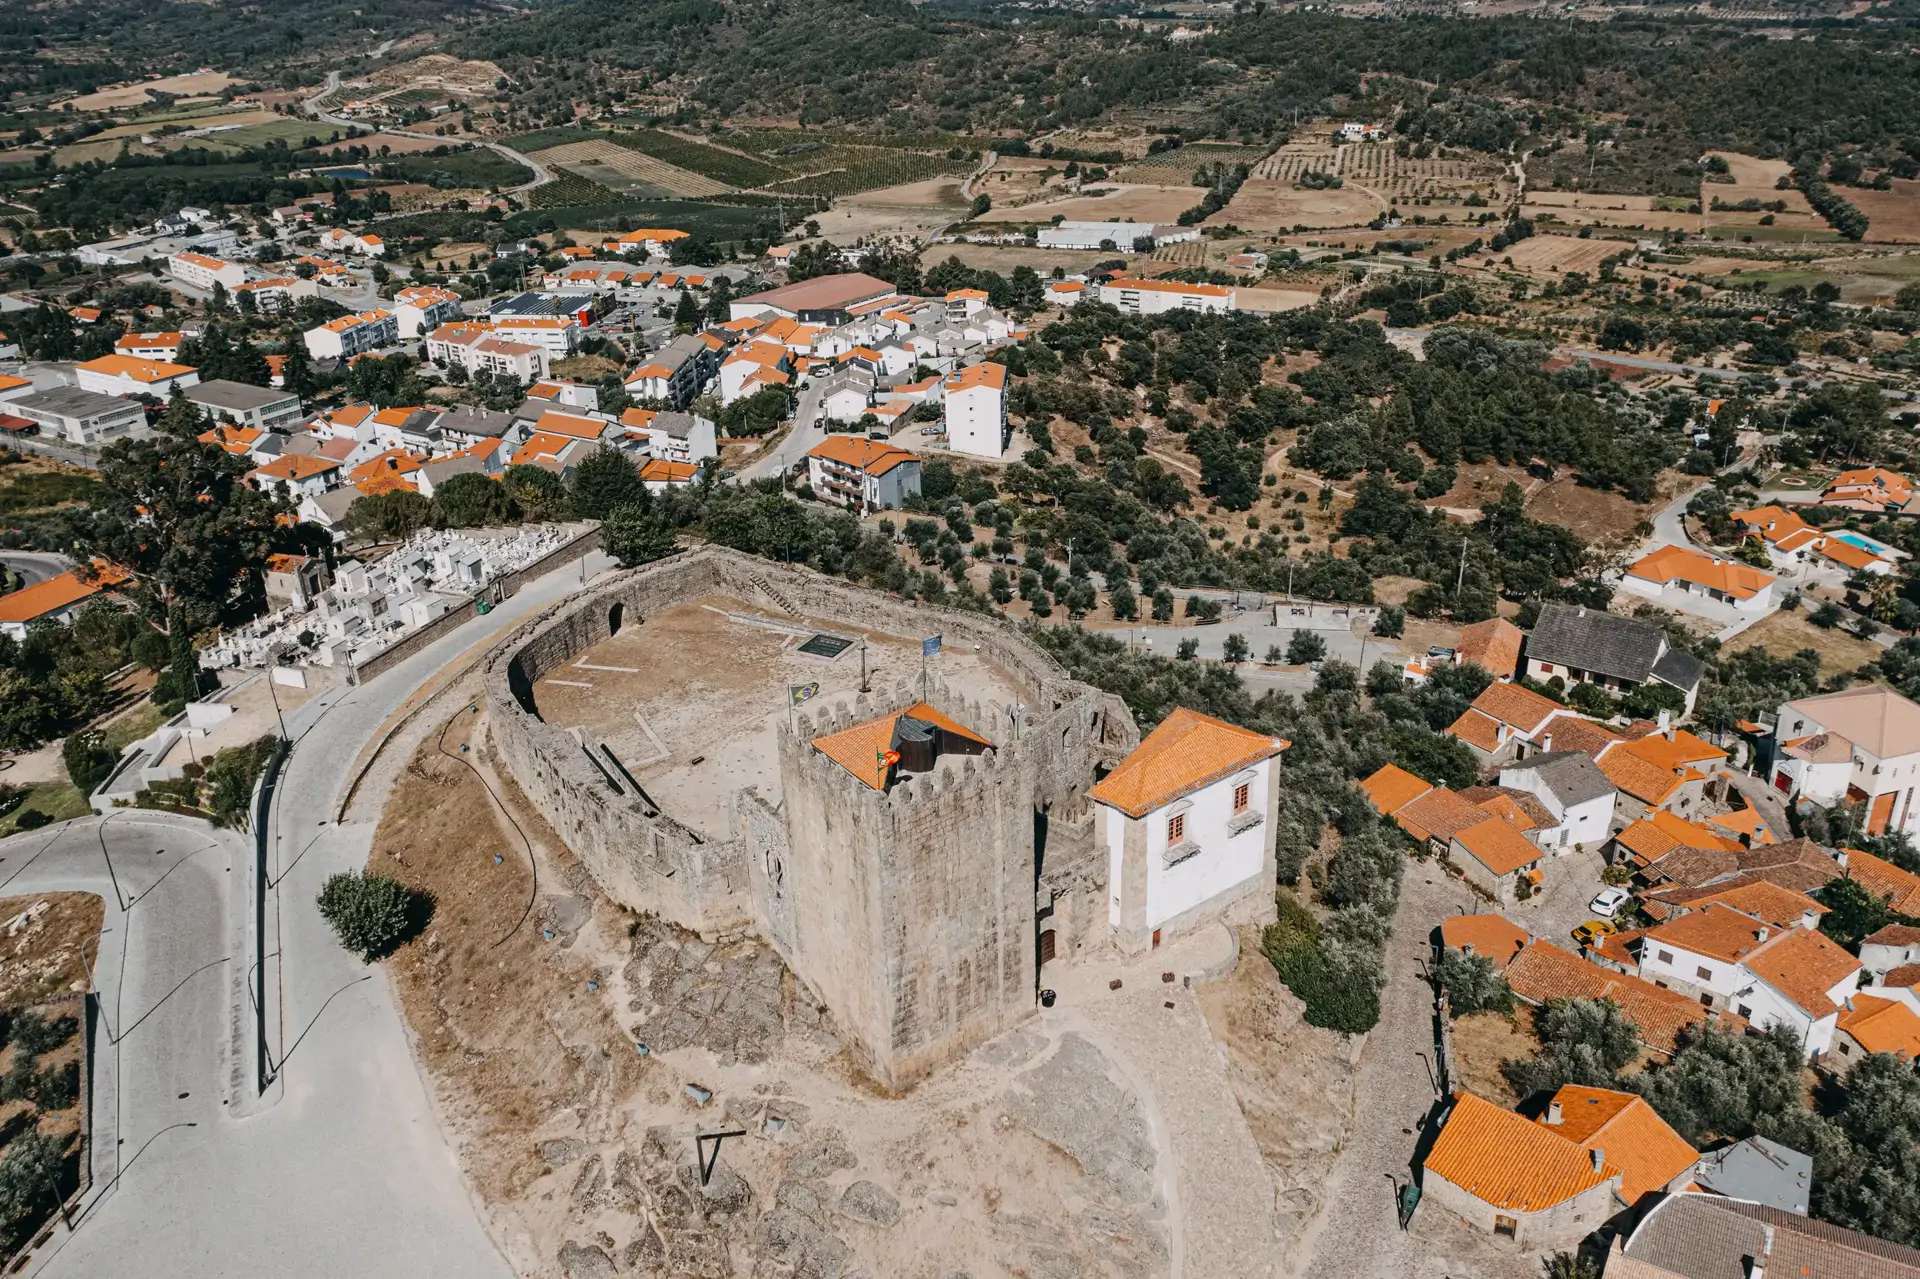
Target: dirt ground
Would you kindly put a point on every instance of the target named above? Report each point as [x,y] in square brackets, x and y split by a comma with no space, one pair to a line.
[46,945]
[1122,204]
[1263,204]
[691,698]
[914,209]
[398,144]
[1893,216]
[1483,1043]
[135,94]
[581,1145]
[1546,253]
[1785,633]
[1602,517]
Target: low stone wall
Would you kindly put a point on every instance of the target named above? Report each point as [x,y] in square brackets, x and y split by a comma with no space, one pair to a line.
[494,592]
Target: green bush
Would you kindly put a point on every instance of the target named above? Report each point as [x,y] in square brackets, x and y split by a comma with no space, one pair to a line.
[32,1172]
[1335,999]
[88,760]
[32,819]
[30,1032]
[1473,984]
[371,914]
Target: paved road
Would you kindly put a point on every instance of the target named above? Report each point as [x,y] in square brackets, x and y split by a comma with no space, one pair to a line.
[341,1167]
[35,566]
[808,429]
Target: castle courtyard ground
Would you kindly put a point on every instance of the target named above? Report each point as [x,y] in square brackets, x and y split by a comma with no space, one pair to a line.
[690,698]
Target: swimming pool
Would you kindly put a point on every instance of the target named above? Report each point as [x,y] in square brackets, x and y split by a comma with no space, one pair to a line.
[1862,541]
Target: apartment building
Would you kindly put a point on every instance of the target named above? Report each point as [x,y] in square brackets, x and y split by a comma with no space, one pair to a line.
[163,347]
[79,417]
[423,308]
[352,335]
[199,271]
[1151,297]
[557,335]
[976,410]
[124,375]
[1858,746]
[861,474]
[251,406]
[276,293]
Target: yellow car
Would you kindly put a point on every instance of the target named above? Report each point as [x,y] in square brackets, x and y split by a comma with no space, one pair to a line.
[1592,931]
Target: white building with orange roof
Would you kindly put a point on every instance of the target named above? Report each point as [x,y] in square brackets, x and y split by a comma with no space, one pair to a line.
[576,426]
[123,375]
[752,367]
[276,293]
[1509,722]
[861,474]
[1152,297]
[964,302]
[150,346]
[1066,293]
[1188,823]
[366,244]
[351,335]
[557,335]
[1741,587]
[1858,746]
[653,242]
[1872,488]
[199,271]
[423,308]
[556,453]
[976,410]
[559,392]
[294,476]
[55,600]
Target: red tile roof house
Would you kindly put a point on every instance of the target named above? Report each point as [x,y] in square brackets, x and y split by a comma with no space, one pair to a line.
[1509,722]
[1769,975]
[1485,841]
[1550,1182]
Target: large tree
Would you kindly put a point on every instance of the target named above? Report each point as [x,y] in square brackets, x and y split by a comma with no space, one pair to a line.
[177,515]
[606,480]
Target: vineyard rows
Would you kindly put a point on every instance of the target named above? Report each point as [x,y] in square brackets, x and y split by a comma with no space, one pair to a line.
[720,165]
[1171,168]
[1378,168]
[838,171]
[570,189]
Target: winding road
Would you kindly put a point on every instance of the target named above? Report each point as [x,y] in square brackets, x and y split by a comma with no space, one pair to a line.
[340,1166]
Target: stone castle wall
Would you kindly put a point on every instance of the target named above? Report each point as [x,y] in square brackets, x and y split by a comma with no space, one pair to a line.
[910,913]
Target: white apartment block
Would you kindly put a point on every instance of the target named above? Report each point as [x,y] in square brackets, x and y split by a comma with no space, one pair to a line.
[423,308]
[352,335]
[558,335]
[1151,297]
[277,293]
[202,272]
[976,410]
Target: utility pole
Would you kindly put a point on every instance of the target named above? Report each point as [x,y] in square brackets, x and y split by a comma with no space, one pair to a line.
[1460,582]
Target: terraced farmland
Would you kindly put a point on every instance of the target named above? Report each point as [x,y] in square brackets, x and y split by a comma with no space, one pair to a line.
[713,162]
[1399,179]
[627,171]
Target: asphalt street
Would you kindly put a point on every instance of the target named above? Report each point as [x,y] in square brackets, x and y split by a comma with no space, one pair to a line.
[340,1168]
[35,566]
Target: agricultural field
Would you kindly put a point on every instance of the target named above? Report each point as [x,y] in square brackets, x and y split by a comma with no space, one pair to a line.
[1893,216]
[915,208]
[439,76]
[1266,205]
[1862,278]
[625,171]
[392,143]
[733,168]
[1395,179]
[1178,164]
[838,171]
[541,139]
[473,167]
[1118,204]
[1549,253]
[572,189]
[1587,208]
[294,133]
[139,93]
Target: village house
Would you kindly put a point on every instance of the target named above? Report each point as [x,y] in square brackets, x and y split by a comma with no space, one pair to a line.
[1713,1236]
[294,477]
[862,475]
[1151,297]
[1188,822]
[1550,1182]
[1543,971]
[1665,769]
[752,367]
[1571,787]
[423,308]
[1508,722]
[1797,547]
[161,348]
[1489,936]
[1873,489]
[1873,1024]
[340,239]
[55,600]
[1858,746]
[559,392]
[1065,293]
[685,438]
[1739,586]
[1759,1171]
[1493,645]
[1578,645]
[1886,949]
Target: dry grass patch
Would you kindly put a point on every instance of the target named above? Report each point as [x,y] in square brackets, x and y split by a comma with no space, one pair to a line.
[1483,1043]
[1788,631]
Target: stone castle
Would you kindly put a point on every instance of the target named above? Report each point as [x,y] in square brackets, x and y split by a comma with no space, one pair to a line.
[926,857]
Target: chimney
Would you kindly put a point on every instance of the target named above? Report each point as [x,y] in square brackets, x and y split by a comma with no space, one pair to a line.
[1546,743]
[1761,933]
[1809,920]
[1841,857]
[1599,1158]
[1553,1112]
[1746,839]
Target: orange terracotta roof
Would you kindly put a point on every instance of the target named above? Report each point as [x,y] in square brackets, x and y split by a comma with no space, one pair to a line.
[1629,1134]
[285,563]
[1772,522]
[391,462]
[1678,563]
[139,370]
[1520,707]
[1171,286]
[539,445]
[1644,780]
[1660,832]
[1508,1161]
[237,440]
[1186,752]
[294,466]
[1439,814]
[1476,729]
[1803,965]
[1883,1026]
[1745,821]
[875,457]
[638,418]
[1779,906]
[571,425]
[660,471]
[1544,971]
[862,749]
[1493,937]
[1492,645]
[1846,554]
[1391,788]
[62,590]
[1498,845]
[1900,888]
[1716,931]
[993,376]
[1678,752]
[1571,733]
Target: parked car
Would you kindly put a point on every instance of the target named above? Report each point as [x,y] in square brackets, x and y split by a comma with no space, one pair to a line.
[1608,901]
[1592,931]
